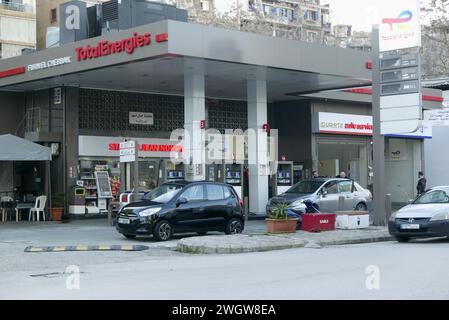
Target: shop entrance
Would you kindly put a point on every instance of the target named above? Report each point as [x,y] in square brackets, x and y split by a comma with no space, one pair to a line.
[334,158]
[29,180]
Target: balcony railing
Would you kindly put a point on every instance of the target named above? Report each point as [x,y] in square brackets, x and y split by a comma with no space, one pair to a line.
[16,6]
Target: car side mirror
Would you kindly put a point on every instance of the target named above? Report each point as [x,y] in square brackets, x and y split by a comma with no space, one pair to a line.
[324,193]
[180,201]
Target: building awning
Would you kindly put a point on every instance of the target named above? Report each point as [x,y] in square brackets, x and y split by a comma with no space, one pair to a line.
[13,148]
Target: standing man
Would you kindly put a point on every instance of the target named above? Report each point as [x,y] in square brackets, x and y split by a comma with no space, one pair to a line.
[421,186]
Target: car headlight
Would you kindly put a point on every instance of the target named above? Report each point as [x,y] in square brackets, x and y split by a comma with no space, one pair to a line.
[440,216]
[149,212]
[393,216]
[298,205]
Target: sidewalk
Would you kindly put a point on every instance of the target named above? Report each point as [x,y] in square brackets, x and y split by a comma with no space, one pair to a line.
[256,239]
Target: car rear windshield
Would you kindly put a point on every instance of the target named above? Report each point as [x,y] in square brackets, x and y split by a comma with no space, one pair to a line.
[433,196]
[163,193]
[305,187]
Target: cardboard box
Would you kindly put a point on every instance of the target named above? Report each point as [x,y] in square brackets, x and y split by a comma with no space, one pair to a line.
[350,220]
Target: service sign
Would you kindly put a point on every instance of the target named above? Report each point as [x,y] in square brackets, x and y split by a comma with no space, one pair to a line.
[339,123]
[399,27]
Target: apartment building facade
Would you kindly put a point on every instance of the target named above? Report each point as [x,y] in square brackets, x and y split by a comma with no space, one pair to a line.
[17,27]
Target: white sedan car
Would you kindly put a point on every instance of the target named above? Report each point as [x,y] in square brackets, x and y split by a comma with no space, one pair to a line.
[427,216]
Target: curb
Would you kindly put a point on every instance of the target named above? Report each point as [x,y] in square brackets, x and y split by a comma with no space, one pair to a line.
[295,244]
[34,249]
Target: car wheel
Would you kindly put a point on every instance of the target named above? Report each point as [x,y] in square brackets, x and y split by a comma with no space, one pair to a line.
[162,230]
[202,233]
[360,207]
[234,226]
[402,238]
[129,236]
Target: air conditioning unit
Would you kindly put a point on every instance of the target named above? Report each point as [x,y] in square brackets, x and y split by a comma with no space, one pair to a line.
[125,14]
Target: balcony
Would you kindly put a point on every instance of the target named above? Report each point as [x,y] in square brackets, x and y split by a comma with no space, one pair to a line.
[14,6]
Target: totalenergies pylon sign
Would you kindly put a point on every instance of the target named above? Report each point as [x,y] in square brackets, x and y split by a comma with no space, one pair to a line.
[400,27]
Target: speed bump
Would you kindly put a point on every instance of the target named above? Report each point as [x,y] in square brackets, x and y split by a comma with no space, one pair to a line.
[87,248]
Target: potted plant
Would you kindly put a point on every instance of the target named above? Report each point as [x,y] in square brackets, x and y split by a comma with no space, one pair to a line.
[278,220]
[58,203]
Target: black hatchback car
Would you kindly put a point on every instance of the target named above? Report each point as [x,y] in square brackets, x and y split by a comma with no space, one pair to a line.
[181,207]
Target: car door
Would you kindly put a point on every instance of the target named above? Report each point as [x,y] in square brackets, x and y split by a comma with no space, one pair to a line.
[189,216]
[328,198]
[346,189]
[216,206]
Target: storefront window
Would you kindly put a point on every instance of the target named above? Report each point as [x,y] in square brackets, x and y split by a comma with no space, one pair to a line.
[352,159]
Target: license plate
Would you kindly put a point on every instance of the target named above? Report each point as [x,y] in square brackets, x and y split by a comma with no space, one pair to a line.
[124,221]
[410,226]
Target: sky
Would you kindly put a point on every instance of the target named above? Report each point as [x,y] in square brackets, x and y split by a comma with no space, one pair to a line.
[359,13]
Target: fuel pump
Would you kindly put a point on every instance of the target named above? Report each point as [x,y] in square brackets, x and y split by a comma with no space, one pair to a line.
[215,172]
[282,180]
[234,177]
[172,171]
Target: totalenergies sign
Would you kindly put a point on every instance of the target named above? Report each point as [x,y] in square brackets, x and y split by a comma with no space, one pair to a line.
[128,45]
[399,25]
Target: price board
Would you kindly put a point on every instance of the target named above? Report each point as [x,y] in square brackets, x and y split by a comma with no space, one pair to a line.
[103,184]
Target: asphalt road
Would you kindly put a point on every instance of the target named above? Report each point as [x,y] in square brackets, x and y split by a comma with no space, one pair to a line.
[395,271]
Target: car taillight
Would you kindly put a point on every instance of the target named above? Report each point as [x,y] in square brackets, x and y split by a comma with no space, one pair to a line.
[125,198]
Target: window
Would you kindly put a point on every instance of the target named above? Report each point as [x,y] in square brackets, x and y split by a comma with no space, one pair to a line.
[345,187]
[227,192]
[194,193]
[214,192]
[331,187]
[53,16]
[205,5]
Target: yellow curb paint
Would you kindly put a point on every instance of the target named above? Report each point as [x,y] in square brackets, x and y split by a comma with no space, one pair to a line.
[82,248]
[104,247]
[128,248]
[35,249]
[58,249]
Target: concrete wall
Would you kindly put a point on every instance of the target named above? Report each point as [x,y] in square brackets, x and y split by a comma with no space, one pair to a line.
[70,145]
[293,121]
[12,112]
[341,107]
[436,158]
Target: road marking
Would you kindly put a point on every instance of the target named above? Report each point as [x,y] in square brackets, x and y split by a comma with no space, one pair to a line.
[87,248]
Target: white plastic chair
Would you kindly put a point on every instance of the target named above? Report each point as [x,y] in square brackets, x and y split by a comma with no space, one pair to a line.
[38,208]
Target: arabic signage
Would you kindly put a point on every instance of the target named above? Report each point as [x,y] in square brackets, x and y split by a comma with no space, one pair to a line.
[144,118]
[399,27]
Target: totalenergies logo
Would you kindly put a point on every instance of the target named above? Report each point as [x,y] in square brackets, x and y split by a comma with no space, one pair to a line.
[401,21]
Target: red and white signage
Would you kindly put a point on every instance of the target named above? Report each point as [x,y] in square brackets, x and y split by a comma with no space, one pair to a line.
[338,123]
[128,45]
[100,146]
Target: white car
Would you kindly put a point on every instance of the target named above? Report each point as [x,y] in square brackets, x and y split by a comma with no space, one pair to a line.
[427,216]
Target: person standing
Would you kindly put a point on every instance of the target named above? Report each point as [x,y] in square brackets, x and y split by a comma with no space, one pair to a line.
[341,175]
[421,186]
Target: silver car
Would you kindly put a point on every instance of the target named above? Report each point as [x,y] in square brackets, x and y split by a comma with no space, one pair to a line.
[324,194]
